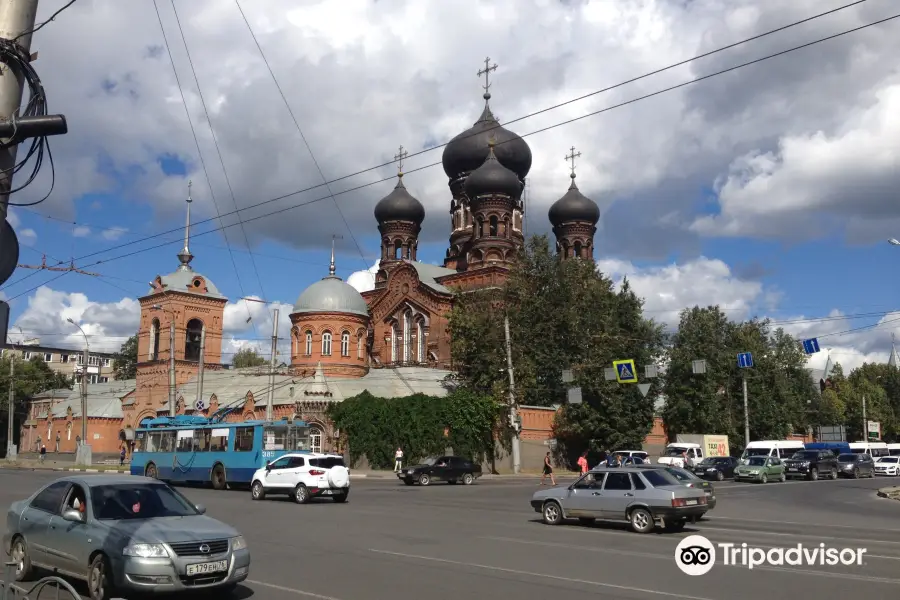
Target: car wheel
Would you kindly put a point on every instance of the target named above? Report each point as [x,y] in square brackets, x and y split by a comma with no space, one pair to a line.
[301,494]
[342,497]
[855,473]
[218,477]
[783,478]
[468,479]
[424,479]
[408,481]
[257,491]
[814,474]
[151,471]
[720,476]
[764,478]
[99,579]
[553,514]
[834,474]
[19,555]
[641,520]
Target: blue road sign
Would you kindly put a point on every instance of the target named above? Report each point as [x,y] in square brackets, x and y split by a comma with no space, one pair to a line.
[625,371]
[811,346]
[745,360]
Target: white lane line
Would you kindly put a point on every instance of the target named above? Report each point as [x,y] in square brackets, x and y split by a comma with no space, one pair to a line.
[702,528]
[289,590]
[625,588]
[717,518]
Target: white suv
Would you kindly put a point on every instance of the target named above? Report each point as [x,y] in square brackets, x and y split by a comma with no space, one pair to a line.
[303,475]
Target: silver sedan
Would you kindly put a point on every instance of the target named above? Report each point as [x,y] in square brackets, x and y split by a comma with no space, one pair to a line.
[124,534]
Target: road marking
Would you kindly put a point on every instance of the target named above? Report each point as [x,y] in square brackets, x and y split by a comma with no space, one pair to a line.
[625,588]
[289,590]
[796,523]
[800,535]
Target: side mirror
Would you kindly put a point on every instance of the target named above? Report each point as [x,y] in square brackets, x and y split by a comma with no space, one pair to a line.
[268,467]
[72,515]
[200,509]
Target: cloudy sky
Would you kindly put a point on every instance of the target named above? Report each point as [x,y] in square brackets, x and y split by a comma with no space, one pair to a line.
[770,189]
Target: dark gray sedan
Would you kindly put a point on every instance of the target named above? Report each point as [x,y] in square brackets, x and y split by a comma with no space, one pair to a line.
[124,534]
[856,465]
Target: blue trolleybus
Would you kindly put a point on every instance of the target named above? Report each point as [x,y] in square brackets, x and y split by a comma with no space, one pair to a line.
[189,449]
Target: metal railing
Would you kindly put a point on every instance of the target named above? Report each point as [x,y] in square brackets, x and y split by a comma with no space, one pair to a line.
[11,591]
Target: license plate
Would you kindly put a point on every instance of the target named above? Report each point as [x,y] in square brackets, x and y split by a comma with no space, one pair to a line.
[327,492]
[690,502]
[211,567]
[792,468]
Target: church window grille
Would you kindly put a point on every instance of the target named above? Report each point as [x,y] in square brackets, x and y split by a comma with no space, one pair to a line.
[308,343]
[493,223]
[326,343]
[395,339]
[345,343]
[192,339]
[359,346]
[420,332]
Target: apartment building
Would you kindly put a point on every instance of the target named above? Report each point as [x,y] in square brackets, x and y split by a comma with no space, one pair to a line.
[66,361]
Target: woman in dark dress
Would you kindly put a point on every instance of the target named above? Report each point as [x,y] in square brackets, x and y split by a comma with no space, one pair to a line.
[548,470]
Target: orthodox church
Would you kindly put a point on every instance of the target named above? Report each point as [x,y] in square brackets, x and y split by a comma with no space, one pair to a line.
[392,341]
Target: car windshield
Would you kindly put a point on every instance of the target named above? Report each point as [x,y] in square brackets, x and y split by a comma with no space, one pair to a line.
[805,455]
[889,459]
[139,501]
[430,461]
[757,461]
[659,477]
[757,452]
[674,451]
[847,458]
[327,462]
[682,475]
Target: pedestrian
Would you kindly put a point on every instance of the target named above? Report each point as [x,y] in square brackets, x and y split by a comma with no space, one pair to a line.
[612,460]
[57,442]
[583,463]
[398,459]
[548,470]
[43,452]
[122,456]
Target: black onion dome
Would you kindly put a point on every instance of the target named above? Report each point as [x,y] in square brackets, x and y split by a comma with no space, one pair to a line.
[574,206]
[399,205]
[468,150]
[493,178]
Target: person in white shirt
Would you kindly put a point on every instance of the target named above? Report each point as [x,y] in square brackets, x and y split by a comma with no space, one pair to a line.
[398,460]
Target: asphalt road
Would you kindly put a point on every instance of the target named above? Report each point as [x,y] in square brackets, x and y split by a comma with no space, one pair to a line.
[449,542]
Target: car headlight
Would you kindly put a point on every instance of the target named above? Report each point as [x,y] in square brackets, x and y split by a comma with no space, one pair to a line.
[146,551]
[238,543]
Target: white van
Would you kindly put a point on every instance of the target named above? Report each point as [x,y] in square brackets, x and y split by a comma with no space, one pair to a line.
[673,454]
[775,448]
[873,449]
[893,449]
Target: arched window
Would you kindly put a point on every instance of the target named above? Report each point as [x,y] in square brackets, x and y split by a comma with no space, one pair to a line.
[326,343]
[493,226]
[578,250]
[479,231]
[395,340]
[407,335]
[345,343]
[308,343]
[315,439]
[359,346]
[69,430]
[420,332]
[154,340]
[192,339]
[398,250]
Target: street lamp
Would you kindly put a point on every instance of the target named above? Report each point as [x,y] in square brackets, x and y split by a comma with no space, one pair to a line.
[171,356]
[894,242]
[83,452]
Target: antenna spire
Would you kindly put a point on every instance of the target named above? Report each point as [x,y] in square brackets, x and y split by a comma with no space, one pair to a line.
[486,71]
[185,255]
[331,268]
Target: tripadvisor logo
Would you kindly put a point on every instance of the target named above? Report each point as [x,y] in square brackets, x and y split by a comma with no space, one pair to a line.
[696,555]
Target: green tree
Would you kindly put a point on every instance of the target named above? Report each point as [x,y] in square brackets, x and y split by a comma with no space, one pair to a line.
[125,360]
[31,377]
[247,357]
[886,410]
[831,409]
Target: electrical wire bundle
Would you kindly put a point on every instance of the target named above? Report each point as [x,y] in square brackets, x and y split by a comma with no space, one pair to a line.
[17,60]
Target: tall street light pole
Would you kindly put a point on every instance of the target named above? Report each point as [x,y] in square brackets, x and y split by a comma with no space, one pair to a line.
[171,356]
[10,445]
[83,452]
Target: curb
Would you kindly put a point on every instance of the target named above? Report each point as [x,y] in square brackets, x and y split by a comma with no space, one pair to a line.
[77,470]
[891,493]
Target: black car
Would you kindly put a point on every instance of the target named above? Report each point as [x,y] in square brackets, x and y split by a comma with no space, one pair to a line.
[716,467]
[812,464]
[452,469]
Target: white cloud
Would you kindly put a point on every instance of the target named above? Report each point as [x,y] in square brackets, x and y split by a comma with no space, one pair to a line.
[27,236]
[364,281]
[81,231]
[113,233]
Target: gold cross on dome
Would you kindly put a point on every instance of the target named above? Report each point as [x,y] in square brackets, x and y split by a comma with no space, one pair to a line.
[486,71]
[399,158]
[571,158]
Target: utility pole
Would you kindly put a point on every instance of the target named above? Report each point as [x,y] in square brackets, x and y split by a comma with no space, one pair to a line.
[10,445]
[513,416]
[16,17]
[746,412]
[200,367]
[270,400]
[172,364]
[84,396]
[865,437]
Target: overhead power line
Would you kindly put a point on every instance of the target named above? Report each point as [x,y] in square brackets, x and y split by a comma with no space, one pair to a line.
[575,119]
[541,111]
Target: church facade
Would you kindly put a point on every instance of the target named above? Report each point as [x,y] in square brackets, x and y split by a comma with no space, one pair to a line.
[392,340]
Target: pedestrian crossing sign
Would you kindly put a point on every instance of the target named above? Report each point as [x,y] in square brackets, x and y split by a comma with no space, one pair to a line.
[625,371]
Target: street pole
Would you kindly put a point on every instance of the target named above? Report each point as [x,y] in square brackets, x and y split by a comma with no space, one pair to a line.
[200,367]
[270,400]
[16,16]
[746,412]
[10,446]
[865,437]
[172,364]
[513,420]
[84,396]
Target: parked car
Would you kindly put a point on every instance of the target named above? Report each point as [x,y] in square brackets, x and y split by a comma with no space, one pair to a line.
[716,467]
[888,465]
[627,457]
[452,469]
[812,464]
[644,497]
[688,479]
[856,465]
[124,534]
[303,476]
[761,469]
